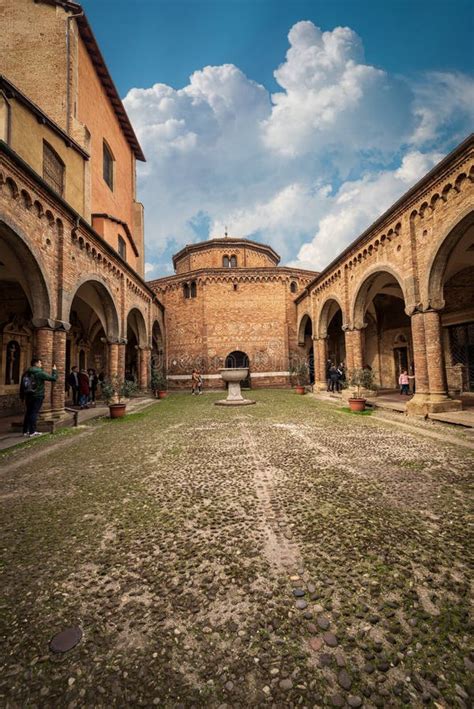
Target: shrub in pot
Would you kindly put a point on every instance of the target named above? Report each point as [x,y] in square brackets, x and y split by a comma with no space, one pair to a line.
[114,390]
[159,383]
[360,380]
[299,373]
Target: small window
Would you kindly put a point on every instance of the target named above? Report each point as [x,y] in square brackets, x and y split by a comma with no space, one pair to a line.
[293,287]
[122,248]
[53,168]
[193,289]
[108,166]
[233,261]
[186,290]
[226,262]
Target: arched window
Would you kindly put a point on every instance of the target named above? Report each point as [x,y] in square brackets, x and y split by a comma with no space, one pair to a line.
[53,168]
[193,289]
[122,248]
[233,261]
[226,262]
[12,368]
[108,165]
[293,287]
[186,292]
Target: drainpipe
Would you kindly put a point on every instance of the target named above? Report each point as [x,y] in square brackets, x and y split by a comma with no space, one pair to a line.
[68,64]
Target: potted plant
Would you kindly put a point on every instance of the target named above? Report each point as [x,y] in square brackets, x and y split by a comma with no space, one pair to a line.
[299,372]
[114,390]
[361,380]
[159,384]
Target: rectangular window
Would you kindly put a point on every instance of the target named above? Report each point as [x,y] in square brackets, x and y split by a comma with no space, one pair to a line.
[122,248]
[108,165]
[53,169]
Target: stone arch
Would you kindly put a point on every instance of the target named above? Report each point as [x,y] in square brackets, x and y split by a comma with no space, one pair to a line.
[304,320]
[136,321]
[21,261]
[94,290]
[328,310]
[370,280]
[436,269]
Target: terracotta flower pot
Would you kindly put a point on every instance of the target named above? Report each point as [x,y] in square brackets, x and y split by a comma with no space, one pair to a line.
[162,394]
[300,390]
[357,404]
[117,411]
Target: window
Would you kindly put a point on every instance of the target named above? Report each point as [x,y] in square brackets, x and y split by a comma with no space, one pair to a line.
[226,262]
[108,166]
[53,168]
[293,287]
[122,248]
[233,261]
[186,290]
[193,289]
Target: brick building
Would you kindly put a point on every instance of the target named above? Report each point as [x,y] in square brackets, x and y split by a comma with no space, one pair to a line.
[72,252]
[230,303]
[402,294]
[71,230]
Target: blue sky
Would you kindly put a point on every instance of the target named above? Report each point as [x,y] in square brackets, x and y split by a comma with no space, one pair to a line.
[303,158]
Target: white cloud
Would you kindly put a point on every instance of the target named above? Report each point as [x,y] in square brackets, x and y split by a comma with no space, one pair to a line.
[357,204]
[323,156]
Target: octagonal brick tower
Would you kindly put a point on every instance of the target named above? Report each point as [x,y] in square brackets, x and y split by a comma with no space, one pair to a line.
[229,303]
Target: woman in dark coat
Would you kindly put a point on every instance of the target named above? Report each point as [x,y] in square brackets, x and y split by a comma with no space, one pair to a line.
[84,389]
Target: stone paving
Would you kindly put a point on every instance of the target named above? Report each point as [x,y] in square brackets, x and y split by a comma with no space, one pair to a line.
[284,555]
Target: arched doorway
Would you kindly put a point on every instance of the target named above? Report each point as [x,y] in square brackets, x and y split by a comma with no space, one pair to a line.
[305,340]
[451,291]
[94,321]
[237,360]
[136,338]
[379,312]
[157,347]
[24,297]
[330,326]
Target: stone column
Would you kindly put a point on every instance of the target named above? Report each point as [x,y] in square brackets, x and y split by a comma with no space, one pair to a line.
[357,348]
[112,362]
[349,350]
[320,364]
[121,359]
[438,387]
[44,339]
[144,367]
[59,359]
[419,356]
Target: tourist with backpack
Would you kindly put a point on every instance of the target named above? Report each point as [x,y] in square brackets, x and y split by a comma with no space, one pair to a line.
[32,393]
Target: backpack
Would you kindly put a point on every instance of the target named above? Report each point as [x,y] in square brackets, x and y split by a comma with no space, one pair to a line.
[28,385]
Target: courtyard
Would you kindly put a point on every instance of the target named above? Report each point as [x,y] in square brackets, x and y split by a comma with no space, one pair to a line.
[286,554]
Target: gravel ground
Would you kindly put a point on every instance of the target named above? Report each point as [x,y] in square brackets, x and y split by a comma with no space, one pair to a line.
[286,554]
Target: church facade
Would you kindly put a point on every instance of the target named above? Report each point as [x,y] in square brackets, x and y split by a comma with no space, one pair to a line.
[72,287]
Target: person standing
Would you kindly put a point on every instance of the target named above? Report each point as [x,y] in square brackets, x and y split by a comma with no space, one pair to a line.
[92,385]
[196,382]
[333,379]
[73,381]
[328,374]
[84,389]
[404,382]
[32,393]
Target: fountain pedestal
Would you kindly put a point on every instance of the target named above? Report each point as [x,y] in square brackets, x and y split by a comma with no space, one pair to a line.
[233,377]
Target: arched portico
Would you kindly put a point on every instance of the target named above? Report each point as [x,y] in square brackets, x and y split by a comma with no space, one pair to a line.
[25,314]
[305,341]
[448,319]
[380,336]
[137,351]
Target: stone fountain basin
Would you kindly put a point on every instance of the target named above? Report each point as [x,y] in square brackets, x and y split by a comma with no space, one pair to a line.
[234,374]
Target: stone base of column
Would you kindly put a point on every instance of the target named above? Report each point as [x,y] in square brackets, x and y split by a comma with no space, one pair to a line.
[320,386]
[423,404]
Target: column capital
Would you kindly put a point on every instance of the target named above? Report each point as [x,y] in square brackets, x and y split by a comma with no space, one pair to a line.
[420,309]
[50,324]
[354,328]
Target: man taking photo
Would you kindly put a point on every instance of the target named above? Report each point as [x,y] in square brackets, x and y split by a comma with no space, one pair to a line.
[32,393]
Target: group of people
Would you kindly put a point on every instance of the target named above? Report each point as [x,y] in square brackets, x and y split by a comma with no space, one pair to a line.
[84,383]
[335,376]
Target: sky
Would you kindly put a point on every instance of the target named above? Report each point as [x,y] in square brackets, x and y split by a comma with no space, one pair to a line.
[291,122]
